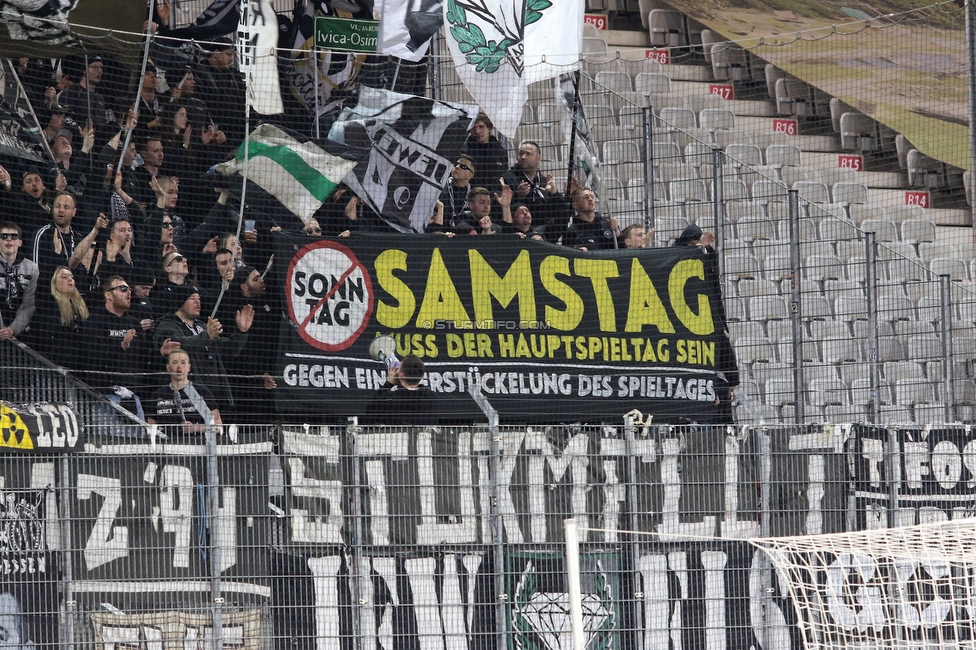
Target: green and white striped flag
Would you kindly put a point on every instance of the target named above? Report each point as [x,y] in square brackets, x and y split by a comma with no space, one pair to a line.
[292,168]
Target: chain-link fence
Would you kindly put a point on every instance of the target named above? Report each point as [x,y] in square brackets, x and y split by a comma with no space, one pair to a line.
[377,536]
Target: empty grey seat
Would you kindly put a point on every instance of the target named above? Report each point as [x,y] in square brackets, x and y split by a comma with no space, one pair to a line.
[651,82]
[858,132]
[730,62]
[667,28]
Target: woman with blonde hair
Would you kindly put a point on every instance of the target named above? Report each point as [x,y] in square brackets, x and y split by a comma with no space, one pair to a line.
[56,328]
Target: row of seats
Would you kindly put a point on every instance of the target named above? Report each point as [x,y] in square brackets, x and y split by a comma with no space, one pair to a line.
[848,306]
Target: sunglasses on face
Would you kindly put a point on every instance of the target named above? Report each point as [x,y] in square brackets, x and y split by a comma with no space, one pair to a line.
[313,231]
[9,235]
[463,166]
[168,225]
[178,258]
[123,288]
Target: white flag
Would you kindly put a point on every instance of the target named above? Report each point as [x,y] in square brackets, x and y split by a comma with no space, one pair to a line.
[499,47]
[257,42]
[293,169]
[406,26]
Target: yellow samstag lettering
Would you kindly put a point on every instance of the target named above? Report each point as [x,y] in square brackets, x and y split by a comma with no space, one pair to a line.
[700,323]
[568,319]
[487,284]
[441,300]
[397,315]
[598,271]
[645,306]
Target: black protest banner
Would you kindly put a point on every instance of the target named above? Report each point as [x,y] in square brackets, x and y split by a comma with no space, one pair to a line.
[935,478]
[545,331]
[142,531]
[39,428]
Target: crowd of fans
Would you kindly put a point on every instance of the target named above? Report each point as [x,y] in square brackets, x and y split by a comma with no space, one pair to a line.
[120,262]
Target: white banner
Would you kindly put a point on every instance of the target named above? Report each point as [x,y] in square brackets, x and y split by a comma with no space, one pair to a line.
[257,41]
[499,47]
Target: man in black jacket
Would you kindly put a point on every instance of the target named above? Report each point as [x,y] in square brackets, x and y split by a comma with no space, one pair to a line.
[537,191]
[489,156]
[206,341]
[402,400]
[590,231]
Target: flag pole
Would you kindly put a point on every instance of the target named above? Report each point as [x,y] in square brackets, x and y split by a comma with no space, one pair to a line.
[247,141]
[571,163]
[135,105]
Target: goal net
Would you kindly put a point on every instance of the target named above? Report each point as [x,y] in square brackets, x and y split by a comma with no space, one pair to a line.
[909,587]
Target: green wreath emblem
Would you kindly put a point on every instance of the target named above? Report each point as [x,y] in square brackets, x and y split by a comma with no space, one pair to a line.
[487,56]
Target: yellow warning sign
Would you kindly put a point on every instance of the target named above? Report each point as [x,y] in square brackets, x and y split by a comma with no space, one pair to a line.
[13,431]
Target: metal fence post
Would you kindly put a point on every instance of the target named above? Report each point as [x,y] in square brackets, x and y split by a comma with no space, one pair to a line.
[796,307]
[765,492]
[971,69]
[497,525]
[894,476]
[213,523]
[718,194]
[360,606]
[871,277]
[950,389]
[64,507]
[648,115]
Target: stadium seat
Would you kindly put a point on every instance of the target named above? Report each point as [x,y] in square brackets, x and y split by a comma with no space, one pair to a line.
[909,392]
[752,287]
[660,100]
[736,211]
[674,170]
[765,308]
[614,81]
[924,172]
[859,213]
[766,191]
[594,46]
[823,267]
[799,174]
[648,83]
[848,193]
[837,109]
[779,392]
[733,190]
[884,231]
[793,97]
[730,63]
[930,413]
[928,251]
[688,190]
[700,101]
[735,310]
[835,230]
[839,350]
[832,175]
[751,230]
[814,192]
[915,231]
[858,132]
[620,151]
[746,330]
[725,137]
[953,267]
[677,118]
[808,349]
[744,154]
[826,392]
[783,155]
[714,119]
[824,330]
[667,28]
[754,350]
[900,213]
